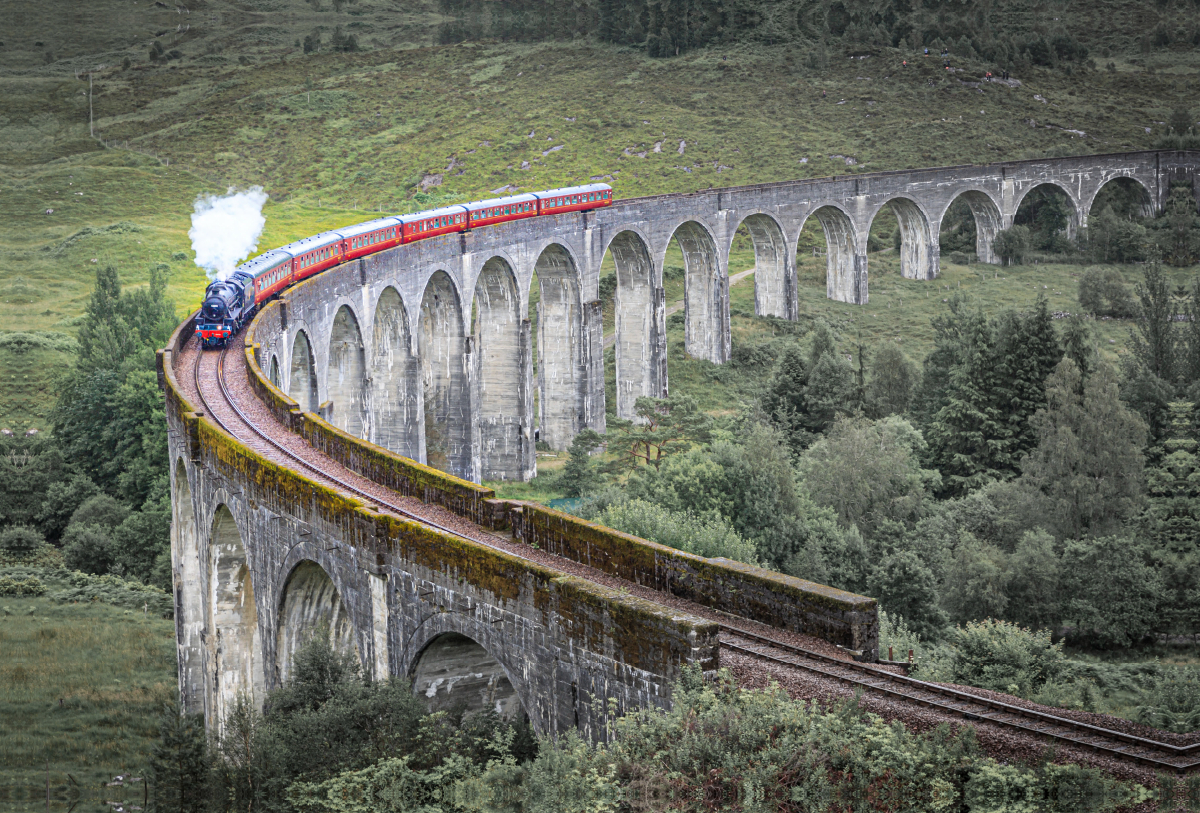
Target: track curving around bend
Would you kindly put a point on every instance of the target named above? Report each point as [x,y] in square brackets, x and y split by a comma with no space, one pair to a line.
[232,407]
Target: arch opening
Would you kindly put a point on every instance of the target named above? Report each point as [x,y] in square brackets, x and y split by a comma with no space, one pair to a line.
[311,605]
[774,278]
[1128,198]
[302,383]
[235,646]
[274,369]
[639,325]
[394,412]
[971,219]
[189,593]
[1050,214]
[502,347]
[845,264]
[346,375]
[445,386]
[454,672]
[706,295]
[561,371]
[918,253]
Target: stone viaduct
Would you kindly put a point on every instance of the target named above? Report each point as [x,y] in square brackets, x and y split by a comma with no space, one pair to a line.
[424,354]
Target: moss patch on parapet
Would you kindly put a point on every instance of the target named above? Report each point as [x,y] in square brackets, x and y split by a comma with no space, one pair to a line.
[751,592]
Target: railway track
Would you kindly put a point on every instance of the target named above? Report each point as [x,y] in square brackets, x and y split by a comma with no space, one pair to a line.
[211,385]
[1116,744]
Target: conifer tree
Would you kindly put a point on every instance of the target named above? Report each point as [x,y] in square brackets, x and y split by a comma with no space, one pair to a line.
[179,766]
[1026,352]
[1172,519]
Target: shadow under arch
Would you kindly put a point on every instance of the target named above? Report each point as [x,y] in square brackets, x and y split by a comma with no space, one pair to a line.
[394,415]
[235,643]
[845,264]
[561,365]
[640,343]
[774,274]
[311,603]
[346,373]
[446,406]
[706,294]
[988,222]
[1140,201]
[1052,188]
[274,374]
[188,583]
[302,381]
[451,670]
[502,355]
[918,255]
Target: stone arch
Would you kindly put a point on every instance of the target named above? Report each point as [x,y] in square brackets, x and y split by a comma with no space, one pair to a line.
[502,349]
[235,642]
[346,374]
[706,294]
[453,670]
[640,352]
[394,416]
[302,384]
[561,370]
[310,603]
[1074,211]
[446,404]
[274,374]
[988,222]
[1145,204]
[918,251]
[845,264]
[188,582]
[774,269]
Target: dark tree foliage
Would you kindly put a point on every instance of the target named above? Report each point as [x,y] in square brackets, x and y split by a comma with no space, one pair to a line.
[179,766]
[581,475]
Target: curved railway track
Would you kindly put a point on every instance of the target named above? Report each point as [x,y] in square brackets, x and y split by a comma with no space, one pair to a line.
[211,385]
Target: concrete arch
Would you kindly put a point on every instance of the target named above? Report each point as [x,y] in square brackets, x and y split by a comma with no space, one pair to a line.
[706,294]
[774,267]
[846,262]
[442,344]
[503,363]
[466,666]
[561,370]
[1074,210]
[988,222]
[311,602]
[234,641]
[274,371]
[302,383]
[394,414]
[918,250]
[1145,206]
[640,352]
[188,582]
[347,373]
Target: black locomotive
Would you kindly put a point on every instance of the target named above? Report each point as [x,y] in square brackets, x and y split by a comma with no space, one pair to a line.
[228,305]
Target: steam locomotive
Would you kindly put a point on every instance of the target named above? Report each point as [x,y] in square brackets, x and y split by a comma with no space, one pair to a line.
[230,303]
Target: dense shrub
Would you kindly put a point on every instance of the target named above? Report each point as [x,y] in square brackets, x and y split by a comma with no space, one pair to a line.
[709,535]
[1012,245]
[1005,657]
[1103,292]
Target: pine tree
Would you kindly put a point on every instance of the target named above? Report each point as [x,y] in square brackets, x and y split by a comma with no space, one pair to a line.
[1172,519]
[784,401]
[580,476]
[179,766]
[1026,352]
[1088,464]
[1079,345]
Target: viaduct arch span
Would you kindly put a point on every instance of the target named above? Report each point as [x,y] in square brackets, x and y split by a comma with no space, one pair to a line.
[424,353]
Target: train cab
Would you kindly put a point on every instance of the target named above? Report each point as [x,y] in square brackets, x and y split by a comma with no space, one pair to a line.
[374,235]
[312,255]
[447,220]
[500,210]
[574,199]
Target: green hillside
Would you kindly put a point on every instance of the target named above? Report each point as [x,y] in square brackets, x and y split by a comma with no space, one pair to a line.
[405,123]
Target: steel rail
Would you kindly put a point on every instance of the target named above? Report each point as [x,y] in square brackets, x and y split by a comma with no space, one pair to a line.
[1120,745]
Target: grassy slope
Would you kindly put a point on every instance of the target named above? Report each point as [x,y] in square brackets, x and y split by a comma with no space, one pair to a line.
[82,686]
[328,132]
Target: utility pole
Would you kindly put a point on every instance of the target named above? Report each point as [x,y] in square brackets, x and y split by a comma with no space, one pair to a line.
[91,118]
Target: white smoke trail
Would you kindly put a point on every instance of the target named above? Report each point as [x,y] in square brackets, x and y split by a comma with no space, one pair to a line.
[225,229]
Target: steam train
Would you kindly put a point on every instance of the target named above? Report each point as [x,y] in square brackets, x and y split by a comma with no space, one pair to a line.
[230,303]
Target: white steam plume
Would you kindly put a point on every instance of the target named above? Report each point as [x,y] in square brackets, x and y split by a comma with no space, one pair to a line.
[225,229]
